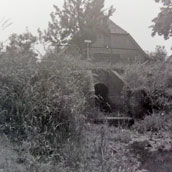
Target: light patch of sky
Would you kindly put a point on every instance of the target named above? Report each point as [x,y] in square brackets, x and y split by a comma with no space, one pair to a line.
[134,16]
[25,14]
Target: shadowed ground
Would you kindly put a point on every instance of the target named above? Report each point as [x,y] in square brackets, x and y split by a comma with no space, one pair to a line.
[10,161]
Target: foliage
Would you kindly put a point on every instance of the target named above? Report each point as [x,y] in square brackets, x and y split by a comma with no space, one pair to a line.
[22,44]
[41,102]
[4,24]
[155,77]
[16,69]
[77,21]
[163,22]
[160,54]
[152,123]
[46,104]
[123,136]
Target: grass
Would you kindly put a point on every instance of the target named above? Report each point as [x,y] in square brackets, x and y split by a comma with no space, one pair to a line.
[103,148]
[44,110]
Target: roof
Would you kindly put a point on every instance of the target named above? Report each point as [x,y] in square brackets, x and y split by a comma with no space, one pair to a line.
[125,40]
[114,28]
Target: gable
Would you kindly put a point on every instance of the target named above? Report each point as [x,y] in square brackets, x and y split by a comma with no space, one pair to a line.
[114,28]
[117,43]
[122,41]
[114,46]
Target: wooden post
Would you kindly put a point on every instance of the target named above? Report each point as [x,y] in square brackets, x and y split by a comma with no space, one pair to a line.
[88,42]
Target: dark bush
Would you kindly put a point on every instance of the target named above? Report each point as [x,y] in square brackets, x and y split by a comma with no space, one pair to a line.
[155,78]
[139,103]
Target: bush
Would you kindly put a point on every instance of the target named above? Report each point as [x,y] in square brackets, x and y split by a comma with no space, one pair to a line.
[154,123]
[42,102]
[155,77]
[15,74]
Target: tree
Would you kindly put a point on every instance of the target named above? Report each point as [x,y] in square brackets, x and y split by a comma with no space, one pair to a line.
[163,22]
[76,21]
[159,55]
[22,43]
[20,51]
[4,24]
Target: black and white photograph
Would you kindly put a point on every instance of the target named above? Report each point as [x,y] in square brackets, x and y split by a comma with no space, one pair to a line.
[85,85]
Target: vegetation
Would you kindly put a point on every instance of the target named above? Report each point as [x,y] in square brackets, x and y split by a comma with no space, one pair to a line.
[77,21]
[45,110]
[163,22]
[4,23]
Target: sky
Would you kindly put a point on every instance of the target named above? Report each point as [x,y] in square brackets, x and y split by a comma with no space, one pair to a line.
[134,16]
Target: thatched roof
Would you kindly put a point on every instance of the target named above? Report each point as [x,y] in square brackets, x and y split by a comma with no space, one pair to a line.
[114,28]
[121,43]
[118,41]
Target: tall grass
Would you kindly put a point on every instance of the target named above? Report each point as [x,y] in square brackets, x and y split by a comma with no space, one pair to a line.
[43,103]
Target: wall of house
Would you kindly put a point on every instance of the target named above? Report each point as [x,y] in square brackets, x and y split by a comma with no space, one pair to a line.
[115,55]
[114,84]
[113,48]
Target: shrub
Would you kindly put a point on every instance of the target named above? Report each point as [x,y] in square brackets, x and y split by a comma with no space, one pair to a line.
[43,103]
[15,73]
[155,77]
[154,123]
[123,136]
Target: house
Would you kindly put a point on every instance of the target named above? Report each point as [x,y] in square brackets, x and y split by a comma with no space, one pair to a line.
[117,45]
